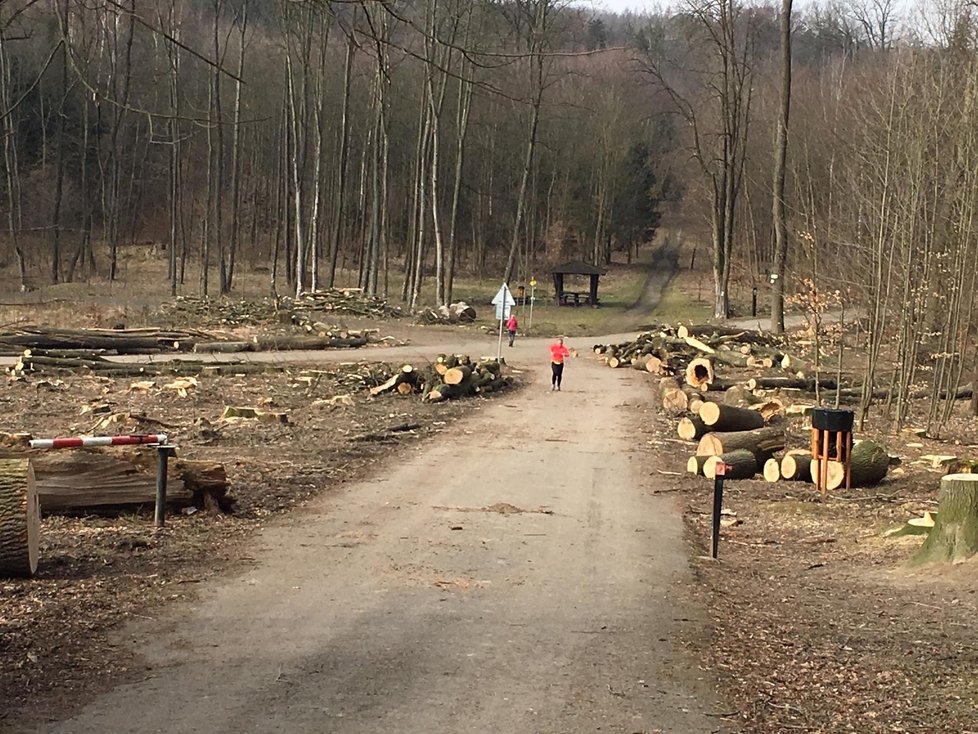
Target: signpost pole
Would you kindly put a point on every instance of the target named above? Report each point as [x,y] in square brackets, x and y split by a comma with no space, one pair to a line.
[503,301]
[533,286]
[499,345]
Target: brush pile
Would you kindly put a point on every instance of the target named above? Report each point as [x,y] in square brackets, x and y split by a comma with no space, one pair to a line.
[455,313]
[308,308]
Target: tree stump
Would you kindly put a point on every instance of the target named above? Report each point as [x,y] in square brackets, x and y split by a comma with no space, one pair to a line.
[954,536]
[19,518]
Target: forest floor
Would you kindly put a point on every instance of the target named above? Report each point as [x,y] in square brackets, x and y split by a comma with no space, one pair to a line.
[819,624]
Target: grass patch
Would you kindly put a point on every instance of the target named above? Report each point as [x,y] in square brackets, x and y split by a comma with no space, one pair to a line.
[678,303]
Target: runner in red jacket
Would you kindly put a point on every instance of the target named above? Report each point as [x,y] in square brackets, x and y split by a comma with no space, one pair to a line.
[558,353]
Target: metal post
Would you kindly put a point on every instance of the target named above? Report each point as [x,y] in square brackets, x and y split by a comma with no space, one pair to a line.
[162,458]
[499,346]
[717,507]
[533,287]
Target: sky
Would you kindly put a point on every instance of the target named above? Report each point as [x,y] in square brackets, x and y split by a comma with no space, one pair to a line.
[620,6]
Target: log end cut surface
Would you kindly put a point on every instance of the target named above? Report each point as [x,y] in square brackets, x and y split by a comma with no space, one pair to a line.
[19,518]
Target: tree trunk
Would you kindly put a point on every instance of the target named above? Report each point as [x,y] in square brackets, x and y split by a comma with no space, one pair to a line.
[19,519]
[779,210]
[341,164]
[954,536]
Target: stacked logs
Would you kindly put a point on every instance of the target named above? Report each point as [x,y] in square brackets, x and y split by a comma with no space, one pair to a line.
[42,361]
[451,376]
[751,438]
[739,422]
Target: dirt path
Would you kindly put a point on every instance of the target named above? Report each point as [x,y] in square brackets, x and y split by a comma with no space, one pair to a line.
[519,577]
[663,266]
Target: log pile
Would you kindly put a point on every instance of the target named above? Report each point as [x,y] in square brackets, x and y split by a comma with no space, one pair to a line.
[83,342]
[450,376]
[745,423]
[44,361]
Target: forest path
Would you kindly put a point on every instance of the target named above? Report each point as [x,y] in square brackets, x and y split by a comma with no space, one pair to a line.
[517,576]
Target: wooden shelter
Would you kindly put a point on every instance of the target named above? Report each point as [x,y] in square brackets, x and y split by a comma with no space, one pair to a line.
[564,297]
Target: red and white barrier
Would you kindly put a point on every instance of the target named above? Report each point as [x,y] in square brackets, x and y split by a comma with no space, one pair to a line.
[82,441]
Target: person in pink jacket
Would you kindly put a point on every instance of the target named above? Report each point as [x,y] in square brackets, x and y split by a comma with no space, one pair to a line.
[511,326]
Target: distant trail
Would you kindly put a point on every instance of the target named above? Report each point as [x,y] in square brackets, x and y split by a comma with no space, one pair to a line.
[664,265]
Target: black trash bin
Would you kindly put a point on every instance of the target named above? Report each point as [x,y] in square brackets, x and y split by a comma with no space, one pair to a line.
[836,420]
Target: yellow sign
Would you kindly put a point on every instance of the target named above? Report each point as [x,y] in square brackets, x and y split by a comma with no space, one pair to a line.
[533,282]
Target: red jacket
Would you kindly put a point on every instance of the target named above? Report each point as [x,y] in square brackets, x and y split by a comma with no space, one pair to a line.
[558,352]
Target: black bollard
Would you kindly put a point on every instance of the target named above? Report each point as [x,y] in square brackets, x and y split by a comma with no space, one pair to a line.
[717,507]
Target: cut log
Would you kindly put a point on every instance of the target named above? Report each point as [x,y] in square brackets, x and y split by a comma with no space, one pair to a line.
[698,345]
[721,417]
[795,466]
[699,373]
[675,401]
[771,470]
[286,342]
[457,375]
[19,519]
[695,404]
[790,383]
[738,395]
[654,365]
[734,359]
[691,428]
[954,536]
[694,465]
[769,409]
[870,462]
[224,347]
[762,442]
[741,464]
